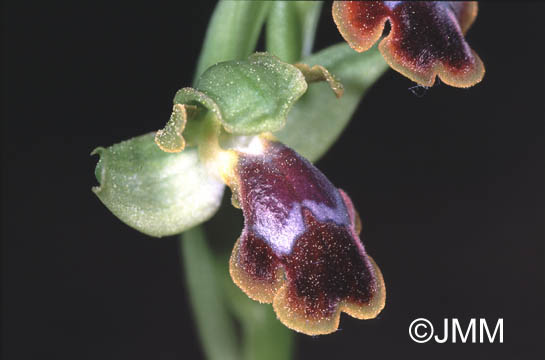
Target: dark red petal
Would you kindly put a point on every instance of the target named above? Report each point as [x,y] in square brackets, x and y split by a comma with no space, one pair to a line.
[299,248]
[426,37]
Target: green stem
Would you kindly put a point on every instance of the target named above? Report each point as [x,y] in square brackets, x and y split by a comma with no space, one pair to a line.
[309,14]
[214,298]
[291,29]
[232,33]
[216,330]
[282,25]
[263,336]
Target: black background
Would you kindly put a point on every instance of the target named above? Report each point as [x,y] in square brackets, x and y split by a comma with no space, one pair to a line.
[450,187]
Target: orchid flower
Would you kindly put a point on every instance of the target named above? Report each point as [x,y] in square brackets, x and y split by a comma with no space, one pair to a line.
[426,37]
[299,248]
[255,124]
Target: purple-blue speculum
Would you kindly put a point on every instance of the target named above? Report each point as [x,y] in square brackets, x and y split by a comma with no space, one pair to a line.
[299,248]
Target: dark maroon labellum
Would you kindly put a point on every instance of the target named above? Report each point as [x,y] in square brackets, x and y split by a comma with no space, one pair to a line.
[299,248]
[426,37]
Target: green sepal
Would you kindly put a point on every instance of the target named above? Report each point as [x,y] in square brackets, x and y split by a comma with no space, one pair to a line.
[190,96]
[318,118]
[254,95]
[201,106]
[155,192]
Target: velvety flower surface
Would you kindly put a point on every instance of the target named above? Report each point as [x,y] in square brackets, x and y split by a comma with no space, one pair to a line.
[426,37]
[299,248]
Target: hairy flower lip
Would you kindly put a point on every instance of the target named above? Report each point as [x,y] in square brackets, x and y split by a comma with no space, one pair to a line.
[426,38]
[299,248]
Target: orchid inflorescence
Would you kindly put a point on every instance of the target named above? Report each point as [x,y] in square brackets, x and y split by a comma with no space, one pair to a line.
[243,124]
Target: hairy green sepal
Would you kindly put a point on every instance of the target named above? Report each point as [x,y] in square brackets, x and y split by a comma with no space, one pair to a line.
[253,95]
[155,192]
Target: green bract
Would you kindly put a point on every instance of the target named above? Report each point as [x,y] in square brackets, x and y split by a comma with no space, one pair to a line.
[155,192]
[253,95]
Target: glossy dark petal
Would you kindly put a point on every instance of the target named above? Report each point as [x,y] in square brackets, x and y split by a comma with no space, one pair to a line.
[426,37]
[299,248]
